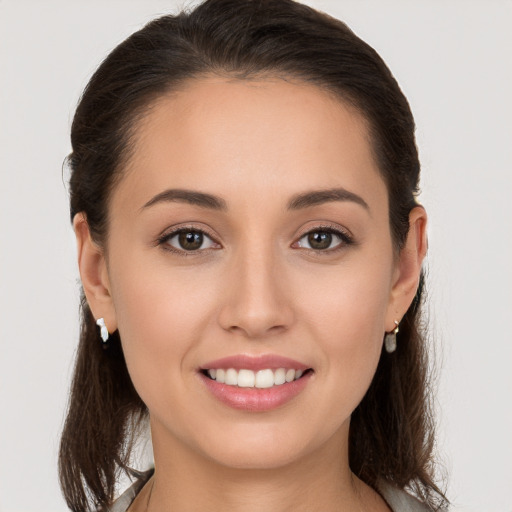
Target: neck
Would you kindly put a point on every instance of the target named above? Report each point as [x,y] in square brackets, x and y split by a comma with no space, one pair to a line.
[185,480]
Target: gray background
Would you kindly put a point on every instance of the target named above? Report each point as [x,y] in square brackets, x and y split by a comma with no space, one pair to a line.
[452,59]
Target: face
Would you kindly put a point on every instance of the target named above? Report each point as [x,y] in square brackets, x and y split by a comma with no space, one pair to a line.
[250,236]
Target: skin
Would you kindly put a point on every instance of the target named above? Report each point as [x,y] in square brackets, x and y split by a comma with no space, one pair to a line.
[258,288]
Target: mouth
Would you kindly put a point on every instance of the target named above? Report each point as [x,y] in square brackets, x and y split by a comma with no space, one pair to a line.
[261,379]
[255,383]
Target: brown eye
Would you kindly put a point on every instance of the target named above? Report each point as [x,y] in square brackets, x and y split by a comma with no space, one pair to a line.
[320,240]
[189,240]
[324,240]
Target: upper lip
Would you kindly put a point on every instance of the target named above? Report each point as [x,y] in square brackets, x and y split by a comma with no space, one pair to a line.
[255,363]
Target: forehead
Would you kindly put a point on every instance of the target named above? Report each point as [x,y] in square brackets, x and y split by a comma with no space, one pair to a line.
[226,135]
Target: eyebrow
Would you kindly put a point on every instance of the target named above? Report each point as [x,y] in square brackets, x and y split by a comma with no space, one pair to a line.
[188,196]
[297,202]
[317,197]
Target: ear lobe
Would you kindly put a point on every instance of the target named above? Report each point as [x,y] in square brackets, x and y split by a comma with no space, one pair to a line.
[408,270]
[93,273]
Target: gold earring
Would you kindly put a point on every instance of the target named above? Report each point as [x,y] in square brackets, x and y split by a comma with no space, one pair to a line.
[390,339]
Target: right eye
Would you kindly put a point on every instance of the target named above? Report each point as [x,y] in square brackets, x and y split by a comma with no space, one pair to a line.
[188,240]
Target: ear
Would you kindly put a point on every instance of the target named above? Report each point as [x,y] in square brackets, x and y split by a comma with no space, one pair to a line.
[408,268]
[93,273]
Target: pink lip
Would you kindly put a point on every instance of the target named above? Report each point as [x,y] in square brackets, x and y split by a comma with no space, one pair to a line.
[254,399]
[254,363]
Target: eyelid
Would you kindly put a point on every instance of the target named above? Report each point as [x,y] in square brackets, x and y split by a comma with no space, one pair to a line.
[172,231]
[344,234]
[326,226]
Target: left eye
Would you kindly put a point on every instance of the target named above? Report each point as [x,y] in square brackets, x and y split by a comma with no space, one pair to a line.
[190,240]
[321,240]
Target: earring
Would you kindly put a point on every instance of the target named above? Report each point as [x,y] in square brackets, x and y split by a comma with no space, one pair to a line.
[390,340]
[103,329]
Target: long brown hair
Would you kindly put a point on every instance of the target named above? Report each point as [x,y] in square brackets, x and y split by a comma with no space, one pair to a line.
[392,430]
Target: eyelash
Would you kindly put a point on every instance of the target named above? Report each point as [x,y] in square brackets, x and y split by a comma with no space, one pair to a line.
[346,240]
[163,240]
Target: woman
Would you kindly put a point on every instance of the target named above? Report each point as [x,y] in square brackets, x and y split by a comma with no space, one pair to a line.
[243,195]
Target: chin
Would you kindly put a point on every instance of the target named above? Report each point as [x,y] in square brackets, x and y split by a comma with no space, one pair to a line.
[263,458]
[263,448]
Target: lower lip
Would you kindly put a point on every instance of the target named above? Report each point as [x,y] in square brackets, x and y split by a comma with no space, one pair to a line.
[255,399]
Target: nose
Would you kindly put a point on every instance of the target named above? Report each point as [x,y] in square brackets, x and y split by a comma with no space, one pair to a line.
[256,300]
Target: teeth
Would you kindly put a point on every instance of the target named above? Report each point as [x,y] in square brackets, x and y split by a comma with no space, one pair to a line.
[231,377]
[264,379]
[279,377]
[249,379]
[245,379]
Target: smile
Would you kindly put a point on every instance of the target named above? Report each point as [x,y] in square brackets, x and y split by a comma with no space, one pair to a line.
[262,379]
[255,383]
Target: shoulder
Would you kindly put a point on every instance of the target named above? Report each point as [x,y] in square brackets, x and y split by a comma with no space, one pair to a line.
[400,501]
[126,499]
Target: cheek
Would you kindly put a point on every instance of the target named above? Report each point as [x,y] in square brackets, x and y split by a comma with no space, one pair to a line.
[161,315]
[349,302]
[346,317]
[156,298]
